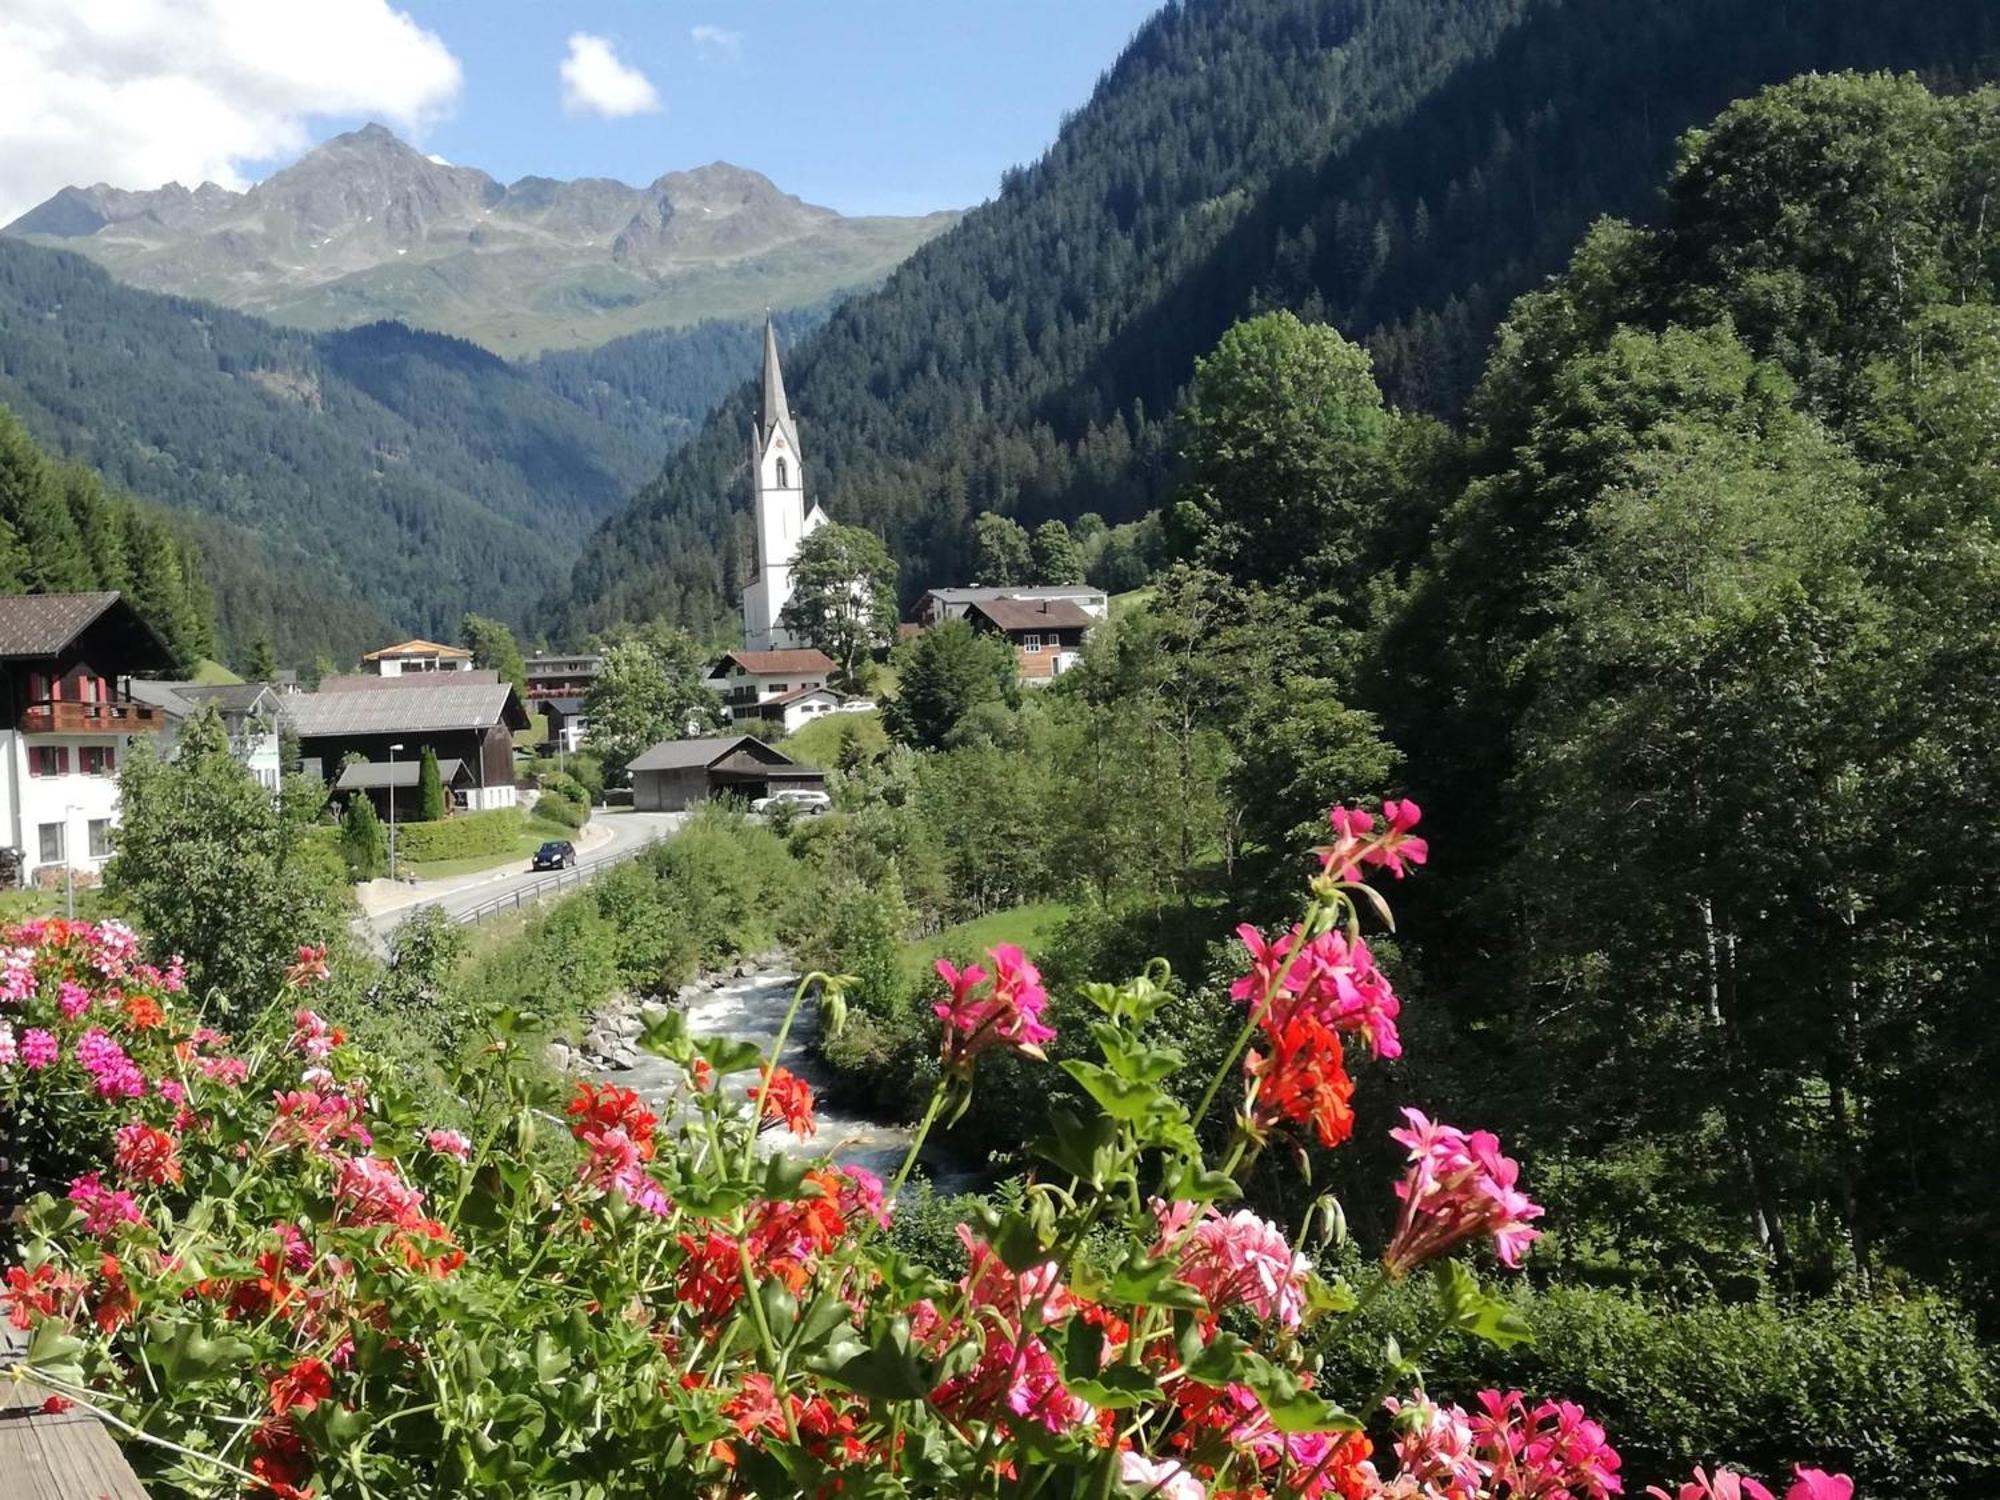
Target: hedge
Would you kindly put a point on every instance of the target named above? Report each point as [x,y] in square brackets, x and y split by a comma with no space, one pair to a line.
[463,837]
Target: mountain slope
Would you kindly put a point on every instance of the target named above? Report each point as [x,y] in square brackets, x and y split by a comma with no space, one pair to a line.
[1403,168]
[366,228]
[344,484]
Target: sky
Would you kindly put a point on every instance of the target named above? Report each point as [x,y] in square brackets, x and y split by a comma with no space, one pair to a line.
[866,106]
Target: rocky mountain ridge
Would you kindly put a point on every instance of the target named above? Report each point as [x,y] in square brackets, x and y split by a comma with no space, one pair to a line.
[366,227]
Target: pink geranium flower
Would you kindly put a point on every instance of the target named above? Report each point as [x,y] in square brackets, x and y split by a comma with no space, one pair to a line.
[1724,1484]
[1004,1011]
[105,1209]
[39,1048]
[1235,1261]
[1550,1452]
[1458,1187]
[1160,1477]
[1817,1484]
[450,1143]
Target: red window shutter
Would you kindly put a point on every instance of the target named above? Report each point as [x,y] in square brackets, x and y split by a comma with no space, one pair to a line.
[62,760]
[34,761]
[110,758]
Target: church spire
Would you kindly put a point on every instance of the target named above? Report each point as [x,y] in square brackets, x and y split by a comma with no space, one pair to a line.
[777,414]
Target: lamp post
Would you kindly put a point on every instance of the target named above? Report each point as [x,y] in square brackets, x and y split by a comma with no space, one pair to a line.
[392,810]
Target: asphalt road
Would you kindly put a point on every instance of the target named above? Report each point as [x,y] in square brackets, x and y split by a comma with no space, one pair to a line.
[629,832]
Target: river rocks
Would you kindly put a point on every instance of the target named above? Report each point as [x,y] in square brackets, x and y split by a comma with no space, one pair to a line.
[560,1056]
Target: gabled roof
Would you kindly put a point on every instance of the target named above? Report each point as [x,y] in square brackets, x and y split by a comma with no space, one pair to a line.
[419,648]
[434,707]
[231,698]
[36,626]
[774,663]
[682,755]
[975,595]
[1027,614]
[367,775]
[782,699]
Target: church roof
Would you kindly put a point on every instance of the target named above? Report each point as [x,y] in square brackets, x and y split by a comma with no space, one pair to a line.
[776,415]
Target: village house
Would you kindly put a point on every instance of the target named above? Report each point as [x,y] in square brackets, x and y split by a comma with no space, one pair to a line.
[747,679]
[550,675]
[473,723]
[416,656]
[68,718]
[938,605]
[1046,634]
[250,714]
[677,774]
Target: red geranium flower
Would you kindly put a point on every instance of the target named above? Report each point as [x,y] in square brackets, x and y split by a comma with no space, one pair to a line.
[303,1386]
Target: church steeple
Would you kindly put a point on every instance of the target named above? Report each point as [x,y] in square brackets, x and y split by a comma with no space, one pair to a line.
[777,413]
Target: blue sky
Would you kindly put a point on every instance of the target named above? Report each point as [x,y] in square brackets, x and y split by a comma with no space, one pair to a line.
[867,106]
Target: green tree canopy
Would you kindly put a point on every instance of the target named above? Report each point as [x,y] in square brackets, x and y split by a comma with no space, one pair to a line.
[843,597]
[946,673]
[1058,555]
[1002,553]
[648,691]
[493,646]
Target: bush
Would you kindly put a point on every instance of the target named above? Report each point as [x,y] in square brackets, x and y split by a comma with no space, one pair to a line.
[363,843]
[1896,1392]
[571,815]
[464,837]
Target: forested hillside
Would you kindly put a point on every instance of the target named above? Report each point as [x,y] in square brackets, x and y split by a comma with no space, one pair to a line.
[349,483]
[62,531]
[1404,169]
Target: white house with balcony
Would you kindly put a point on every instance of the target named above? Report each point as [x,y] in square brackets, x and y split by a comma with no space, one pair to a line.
[68,720]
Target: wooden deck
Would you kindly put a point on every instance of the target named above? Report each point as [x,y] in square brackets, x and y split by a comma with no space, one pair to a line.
[66,1457]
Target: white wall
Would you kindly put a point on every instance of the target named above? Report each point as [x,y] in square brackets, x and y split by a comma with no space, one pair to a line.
[74,800]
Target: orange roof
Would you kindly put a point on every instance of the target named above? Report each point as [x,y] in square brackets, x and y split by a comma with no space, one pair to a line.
[417,648]
[768,663]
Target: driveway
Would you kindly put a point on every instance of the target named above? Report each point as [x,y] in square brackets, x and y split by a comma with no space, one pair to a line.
[612,836]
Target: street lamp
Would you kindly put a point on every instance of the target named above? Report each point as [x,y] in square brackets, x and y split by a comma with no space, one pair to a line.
[392,810]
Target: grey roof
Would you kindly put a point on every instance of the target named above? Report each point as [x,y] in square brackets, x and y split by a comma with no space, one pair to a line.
[682,755]
[431,708]
[1032,614]
[230,697]
[166,695]
[42,624]
[1038,591]
[777,413]
[366,775]
[369,682]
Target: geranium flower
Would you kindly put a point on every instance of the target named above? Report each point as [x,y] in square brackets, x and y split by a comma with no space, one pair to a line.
[312,1035]
[302,1387]
[1435,1448]
[39,1049]
[1302,1079]
[1724,1484]
[1161,1477]
[1817,1484]
[41,1292]
[605,1106]
[1553,1452]
[786,1097]
[9,1052]
[1005,1011]
[1458,1187]
[116,1075]
[105,1210]
[1235,1261]
[311,967]
[144,1153]
[449,1143]
[72,999]
[617,1164]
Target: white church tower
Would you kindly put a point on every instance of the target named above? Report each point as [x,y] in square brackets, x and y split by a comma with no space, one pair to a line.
[778,484]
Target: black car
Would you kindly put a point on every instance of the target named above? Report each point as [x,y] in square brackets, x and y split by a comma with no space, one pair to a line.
[556,854]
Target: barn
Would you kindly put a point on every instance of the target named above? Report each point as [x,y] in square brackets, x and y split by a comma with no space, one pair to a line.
[677,774]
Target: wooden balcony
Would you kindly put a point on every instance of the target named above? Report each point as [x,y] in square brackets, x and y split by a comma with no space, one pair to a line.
[93,718]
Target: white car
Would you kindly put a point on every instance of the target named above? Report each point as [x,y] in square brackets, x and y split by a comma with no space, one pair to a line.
[798,799]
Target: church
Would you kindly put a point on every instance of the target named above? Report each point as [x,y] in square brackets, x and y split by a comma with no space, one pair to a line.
[778,484]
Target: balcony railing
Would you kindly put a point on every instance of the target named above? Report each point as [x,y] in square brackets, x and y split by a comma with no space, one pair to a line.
[93,718]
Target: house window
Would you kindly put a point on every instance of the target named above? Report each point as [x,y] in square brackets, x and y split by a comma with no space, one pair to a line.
[1031,642]
[48,760]
[100,838]
[97,760]
[52,843]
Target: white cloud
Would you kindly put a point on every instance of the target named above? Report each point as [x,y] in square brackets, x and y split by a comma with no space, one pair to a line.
[595,82]
[714,44]
[141,92]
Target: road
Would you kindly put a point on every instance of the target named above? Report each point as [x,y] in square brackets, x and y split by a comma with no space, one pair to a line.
[628,832]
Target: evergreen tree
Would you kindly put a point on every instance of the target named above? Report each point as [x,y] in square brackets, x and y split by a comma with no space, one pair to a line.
[364,843]
[261,665]
[943,676]
[1058,555]
[430,788]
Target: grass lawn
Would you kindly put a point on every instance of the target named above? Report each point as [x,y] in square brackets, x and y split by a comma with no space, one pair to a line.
[19,906]
[1125,603]
[534,833]
[212,673]
[818,743]
[1025,926]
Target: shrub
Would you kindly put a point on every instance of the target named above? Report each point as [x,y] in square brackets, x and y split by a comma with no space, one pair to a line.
[570,815]
[466,836]
[363,842]
[430,788]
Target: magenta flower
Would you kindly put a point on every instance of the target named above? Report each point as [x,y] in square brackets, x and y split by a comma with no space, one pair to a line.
[312,1036]
[1553,1452]
[116,1074]
[1356,845]
[861,1193]
[73,999]
[105,1209]
[1458,1187]
[1269,972]
[1725,1484]
[450,1143]
[39,1048]
[1436,1449]
[1003,1012]
[1398,847]
[1817,1484]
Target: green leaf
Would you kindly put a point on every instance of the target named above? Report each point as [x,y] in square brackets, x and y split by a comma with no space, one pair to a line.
[727,1055]
[1121,1098]
[1074,1143]
[551,1359]
[1224,1360]
[667,1036]
[190,1355]
[1295,1408]
[1115,1387]
[56,1352]
[1144,1281]
[886,1372]
[1469,1309]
